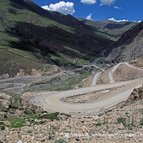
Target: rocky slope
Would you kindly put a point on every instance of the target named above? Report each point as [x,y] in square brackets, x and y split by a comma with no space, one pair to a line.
[128,47]
[122,124]
[12,105]
[136,95]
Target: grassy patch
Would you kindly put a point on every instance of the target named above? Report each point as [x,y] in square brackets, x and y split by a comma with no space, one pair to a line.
[6,38]
[18,122]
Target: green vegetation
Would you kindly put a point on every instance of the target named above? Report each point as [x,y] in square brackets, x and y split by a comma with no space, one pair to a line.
[121,120]
[5,38]
[80,61]
[128,123]
[18,122]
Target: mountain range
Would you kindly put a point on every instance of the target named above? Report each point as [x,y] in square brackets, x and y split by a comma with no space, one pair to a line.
[31,37]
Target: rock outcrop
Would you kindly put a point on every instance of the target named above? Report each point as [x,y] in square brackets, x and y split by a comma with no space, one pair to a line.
[137,94]
[16,106]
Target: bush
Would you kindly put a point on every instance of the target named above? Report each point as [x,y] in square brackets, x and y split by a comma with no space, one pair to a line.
[18,122]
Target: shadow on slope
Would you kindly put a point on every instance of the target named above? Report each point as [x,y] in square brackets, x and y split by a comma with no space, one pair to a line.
[51,39]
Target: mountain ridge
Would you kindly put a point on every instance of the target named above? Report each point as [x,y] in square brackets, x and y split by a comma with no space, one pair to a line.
[111,29]
[52,37]
[128,47]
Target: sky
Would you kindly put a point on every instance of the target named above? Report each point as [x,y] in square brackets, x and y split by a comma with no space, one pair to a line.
[116,10]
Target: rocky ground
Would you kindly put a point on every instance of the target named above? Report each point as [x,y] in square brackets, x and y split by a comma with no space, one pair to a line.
[13,105]
[122,124]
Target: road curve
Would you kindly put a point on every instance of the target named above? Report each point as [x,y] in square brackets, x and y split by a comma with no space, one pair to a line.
[53,103]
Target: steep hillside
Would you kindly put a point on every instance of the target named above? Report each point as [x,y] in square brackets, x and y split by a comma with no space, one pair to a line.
[110,29]
[43,36]
[128,47]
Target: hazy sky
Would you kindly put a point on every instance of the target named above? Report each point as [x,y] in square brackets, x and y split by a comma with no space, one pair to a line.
[131,10]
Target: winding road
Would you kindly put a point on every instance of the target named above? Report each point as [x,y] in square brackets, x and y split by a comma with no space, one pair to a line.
[133,67]
[52,102]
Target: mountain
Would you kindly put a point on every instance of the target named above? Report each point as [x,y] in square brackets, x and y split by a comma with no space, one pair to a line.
[30,33]
[128,47]
[110,29]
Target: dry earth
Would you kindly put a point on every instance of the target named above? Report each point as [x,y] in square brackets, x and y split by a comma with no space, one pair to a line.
[124,73]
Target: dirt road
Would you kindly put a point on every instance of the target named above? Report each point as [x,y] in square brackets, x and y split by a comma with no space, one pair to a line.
[52,102]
